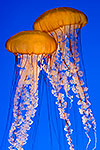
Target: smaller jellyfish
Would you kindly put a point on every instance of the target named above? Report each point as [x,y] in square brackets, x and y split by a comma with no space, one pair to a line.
[29,48]
[64,73]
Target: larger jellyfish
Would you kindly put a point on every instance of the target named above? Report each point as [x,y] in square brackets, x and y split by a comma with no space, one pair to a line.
[29,48]
[63,69]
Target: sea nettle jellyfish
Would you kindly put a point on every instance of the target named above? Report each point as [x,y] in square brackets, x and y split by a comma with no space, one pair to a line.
[64,73]
[29,47]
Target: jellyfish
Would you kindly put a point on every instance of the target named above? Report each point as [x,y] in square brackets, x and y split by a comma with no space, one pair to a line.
[64,68]
[29,47]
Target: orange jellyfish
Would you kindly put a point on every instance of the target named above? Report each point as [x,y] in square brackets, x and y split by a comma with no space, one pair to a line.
[64,73]
[29,47]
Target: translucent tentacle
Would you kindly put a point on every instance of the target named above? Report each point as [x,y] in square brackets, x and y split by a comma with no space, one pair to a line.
[57,83]
[65,71]
[25,103]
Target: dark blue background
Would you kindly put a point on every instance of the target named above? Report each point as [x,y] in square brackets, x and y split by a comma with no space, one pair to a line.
[19,15]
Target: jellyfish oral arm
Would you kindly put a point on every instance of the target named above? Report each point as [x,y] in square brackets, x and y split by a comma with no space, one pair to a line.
[25,102]
[65,63]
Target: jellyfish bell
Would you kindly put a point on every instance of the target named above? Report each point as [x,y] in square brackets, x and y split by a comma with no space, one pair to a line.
[31,42]
[64,25]
[29,47]
[59,17]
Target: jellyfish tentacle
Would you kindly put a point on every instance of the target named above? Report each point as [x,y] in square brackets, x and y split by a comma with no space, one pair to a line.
[28,106]
[74,72]
[79,94]
[31,114]
[16,111]
[64,116]
[54,80]
[86,101]
[64,61]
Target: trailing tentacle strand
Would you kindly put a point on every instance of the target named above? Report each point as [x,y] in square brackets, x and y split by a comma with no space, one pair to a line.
[25,102]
